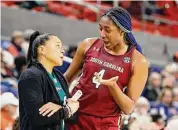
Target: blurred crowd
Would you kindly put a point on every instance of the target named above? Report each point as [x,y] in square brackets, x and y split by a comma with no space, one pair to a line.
[157,109]
[157,12]
[13,62]
[162,8]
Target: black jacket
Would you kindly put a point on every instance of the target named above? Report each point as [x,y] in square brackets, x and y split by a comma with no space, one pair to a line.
[35,90]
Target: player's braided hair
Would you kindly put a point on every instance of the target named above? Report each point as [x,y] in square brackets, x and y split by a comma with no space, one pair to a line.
[122,19]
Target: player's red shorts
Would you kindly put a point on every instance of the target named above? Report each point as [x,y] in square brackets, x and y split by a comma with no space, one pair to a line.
[86,122]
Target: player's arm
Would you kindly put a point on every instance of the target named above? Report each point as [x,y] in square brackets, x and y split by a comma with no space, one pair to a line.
[135,87]
[137,83]
[78,59]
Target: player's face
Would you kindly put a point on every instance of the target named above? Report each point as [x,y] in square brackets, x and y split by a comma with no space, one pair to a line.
[53,51]
[109,32]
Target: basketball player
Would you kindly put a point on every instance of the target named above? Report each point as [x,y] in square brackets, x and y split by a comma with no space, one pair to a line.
[113,76]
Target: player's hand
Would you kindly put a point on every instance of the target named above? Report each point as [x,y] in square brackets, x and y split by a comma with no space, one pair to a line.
[108,82]
[49,109]
[74,105]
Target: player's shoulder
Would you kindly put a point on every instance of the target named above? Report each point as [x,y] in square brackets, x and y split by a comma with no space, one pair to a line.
[139,58]
[91,39]
[87,43]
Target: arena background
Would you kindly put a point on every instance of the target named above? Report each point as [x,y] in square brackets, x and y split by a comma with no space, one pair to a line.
[155,27]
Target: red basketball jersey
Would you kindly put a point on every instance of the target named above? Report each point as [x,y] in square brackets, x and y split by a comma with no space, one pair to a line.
[96,99]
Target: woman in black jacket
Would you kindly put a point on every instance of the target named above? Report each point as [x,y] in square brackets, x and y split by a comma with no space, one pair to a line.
[43,91]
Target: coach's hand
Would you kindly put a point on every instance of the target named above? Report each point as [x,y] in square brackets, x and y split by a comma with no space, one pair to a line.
[108,82]
[49,109]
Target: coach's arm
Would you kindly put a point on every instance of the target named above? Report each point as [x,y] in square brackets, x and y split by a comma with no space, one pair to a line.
[31,97]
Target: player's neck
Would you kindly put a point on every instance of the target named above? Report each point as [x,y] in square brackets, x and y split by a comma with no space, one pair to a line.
[120,48]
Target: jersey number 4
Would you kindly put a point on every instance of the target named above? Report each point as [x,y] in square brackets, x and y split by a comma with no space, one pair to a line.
[101,74]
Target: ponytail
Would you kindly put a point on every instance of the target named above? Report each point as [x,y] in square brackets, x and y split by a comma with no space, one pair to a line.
[131,39]
[30,54]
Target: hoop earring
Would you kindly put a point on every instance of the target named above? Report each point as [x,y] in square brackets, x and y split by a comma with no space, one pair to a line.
[125,39]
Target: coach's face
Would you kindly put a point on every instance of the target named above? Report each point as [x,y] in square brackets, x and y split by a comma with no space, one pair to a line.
[110,33]
[53,51]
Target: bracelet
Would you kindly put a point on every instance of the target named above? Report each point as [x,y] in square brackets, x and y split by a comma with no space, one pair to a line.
[66,112]
[69,111]
[69,108]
